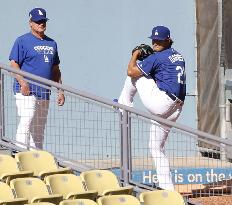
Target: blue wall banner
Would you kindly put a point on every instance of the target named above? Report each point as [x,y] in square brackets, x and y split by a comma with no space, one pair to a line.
[185,175]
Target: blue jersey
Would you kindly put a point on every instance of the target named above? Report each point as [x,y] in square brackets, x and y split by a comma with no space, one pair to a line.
[36,56]
[167,68]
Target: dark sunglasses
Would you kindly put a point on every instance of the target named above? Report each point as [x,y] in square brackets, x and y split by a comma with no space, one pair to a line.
[44,21]
[157,41]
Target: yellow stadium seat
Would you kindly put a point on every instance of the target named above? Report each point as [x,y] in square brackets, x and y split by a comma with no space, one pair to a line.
[7,196]
[164,197]
[70,186]
[41,162]
[105,182]
[118,200]
[34,189]
[78,202]
[9,169]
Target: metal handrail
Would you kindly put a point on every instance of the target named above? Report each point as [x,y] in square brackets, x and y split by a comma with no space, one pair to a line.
[102,100]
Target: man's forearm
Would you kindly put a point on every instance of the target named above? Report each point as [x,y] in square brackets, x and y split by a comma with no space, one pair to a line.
[132,69]
[19,78]
[56,74]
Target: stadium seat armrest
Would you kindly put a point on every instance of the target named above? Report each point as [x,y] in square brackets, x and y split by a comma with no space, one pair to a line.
[17,201]
[29,173]
[67,170]
[121,190]
[92,195]
[9,176]
[55,198]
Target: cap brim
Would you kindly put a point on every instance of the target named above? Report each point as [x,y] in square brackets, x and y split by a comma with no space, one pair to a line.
[39,19]
[156,38]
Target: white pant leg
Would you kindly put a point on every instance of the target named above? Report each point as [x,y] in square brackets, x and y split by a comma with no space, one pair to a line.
[38,123]
[158,136]
[128,92]
[26,106]
[158,103]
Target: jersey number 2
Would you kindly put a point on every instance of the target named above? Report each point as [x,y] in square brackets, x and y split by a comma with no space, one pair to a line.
[180,75]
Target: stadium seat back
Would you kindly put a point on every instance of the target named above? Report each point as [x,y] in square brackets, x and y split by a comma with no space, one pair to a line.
[36,160]
[78,202]
[64,183]
[118,200]
[8,164]
[163,197]
[7,197]
[100,180]
[9,169]
[5,192]
[29,188]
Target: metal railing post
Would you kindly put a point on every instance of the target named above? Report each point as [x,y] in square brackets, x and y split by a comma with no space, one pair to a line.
[125,147]
[1,106]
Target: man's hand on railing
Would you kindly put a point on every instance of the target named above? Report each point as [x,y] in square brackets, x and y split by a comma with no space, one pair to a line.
[60,98]
[25,89]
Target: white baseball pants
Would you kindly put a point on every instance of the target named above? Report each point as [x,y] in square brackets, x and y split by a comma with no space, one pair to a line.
[33,118]
[157,103]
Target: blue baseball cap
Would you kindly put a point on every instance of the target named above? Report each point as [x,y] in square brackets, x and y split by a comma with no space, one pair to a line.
[37,14]
[160,33]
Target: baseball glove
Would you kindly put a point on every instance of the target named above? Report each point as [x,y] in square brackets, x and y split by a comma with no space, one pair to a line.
[145,51]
